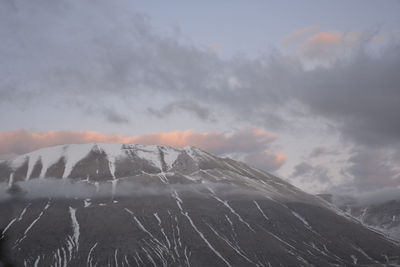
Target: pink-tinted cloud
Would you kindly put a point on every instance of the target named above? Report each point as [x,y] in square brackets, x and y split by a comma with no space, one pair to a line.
[317,45]
[299,35]
[23,141]
[251,145]
[323,45]
[266,160]
[325,38]
[331,44]
[243,141]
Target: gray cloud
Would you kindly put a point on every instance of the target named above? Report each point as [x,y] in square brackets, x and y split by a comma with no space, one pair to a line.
[362,95]
[66,50]
[318,151]
[113,117]
[307,172]
[321,151]
[96,51]
[90,52]
[93,51]
[372,169]
[378,196]
[183,106]
[301,169]
[370,197]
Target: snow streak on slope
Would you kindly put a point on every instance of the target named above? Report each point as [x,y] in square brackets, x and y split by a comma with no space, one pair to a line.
[235,247]
[31,225]
[262,212]
[113,152]
[89,261]
[6,228]
[226,204]
[75,227]
[186,214]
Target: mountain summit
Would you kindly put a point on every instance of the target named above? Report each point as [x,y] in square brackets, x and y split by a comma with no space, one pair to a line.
[136,205]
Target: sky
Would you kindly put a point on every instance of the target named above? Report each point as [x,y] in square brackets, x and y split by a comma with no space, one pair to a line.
[306,90]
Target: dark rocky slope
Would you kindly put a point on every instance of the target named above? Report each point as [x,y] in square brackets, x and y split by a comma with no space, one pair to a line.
[130,205]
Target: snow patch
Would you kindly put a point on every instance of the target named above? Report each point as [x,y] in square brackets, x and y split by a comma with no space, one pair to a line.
[73,154]
[354,258]
[48,156]
[170,155]
[149,153]
[11,180]
[87,203]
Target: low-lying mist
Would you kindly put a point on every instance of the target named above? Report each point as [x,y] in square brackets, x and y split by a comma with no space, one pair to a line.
[375,197]
[56,188]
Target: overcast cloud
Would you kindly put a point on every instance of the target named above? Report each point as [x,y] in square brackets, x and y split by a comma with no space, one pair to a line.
[82,53]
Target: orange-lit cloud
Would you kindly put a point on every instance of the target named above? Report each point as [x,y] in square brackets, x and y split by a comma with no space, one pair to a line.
[331,44]
[23,141]
[323,45]
[251,145]
[299,35]
[215,142]
[325,38]
[326,45]
[267,160]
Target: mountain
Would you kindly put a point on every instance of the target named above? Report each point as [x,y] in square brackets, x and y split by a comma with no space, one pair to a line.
[383,216]
[135,205]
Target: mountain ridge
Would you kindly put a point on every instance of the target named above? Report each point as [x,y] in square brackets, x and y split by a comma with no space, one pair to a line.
[136,205]
[97,162]
[381,215]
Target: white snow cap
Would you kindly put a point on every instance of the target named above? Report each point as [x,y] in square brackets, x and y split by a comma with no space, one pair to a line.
[73,153]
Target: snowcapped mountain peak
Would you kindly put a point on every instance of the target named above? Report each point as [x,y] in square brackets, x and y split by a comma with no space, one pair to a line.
[161,206]
[99,162]
[63,161]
